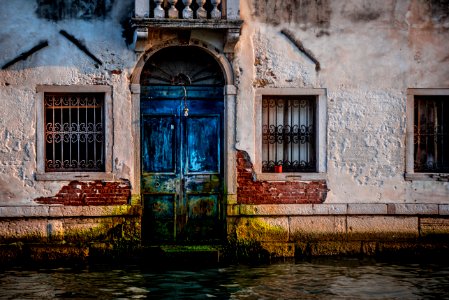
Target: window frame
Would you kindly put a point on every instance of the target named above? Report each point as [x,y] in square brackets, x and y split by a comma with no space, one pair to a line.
[320,127]
[41,174]
[410,123]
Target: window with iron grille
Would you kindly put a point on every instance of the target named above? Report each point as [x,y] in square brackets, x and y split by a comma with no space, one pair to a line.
[431,134]
[74,138]
[289,133]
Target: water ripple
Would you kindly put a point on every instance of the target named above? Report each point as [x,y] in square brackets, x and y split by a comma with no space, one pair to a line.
[319,279]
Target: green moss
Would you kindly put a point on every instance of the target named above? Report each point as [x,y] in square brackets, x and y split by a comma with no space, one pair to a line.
[189,248]
[256,229]
[246,237]
[244,251]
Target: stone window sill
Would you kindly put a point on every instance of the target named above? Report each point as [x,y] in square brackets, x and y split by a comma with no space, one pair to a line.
[290,176]
[79,176]
[427,176]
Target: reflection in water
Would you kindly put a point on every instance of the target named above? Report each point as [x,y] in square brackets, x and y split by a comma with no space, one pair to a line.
[319,279]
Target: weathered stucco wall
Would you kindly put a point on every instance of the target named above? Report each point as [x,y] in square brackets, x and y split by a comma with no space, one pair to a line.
[60,63]
[369,53]
[365,54]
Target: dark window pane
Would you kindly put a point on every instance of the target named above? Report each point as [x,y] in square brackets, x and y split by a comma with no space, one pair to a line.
[288,133]
[431,134]
[74,132]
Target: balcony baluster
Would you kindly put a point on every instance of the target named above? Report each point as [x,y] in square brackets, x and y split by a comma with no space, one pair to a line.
[187,12]
[173,13]
[201,13]
[215,13]
[159,12]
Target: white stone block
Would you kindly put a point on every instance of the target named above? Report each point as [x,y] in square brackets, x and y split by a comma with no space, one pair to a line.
[385,227]
[443,209]
[24,211]
[413,209]
[317,226]
[367,209]
[330,209]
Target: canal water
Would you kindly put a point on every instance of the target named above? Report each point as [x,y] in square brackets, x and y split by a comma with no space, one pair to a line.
[328,278]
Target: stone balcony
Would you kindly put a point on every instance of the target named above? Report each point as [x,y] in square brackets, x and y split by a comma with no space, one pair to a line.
[186,16]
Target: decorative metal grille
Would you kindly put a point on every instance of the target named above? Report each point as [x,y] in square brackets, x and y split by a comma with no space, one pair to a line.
[431,134]
[74,132]
[288,133]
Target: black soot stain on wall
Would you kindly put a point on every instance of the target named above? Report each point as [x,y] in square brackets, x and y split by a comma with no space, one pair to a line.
[317,13]
[56,10]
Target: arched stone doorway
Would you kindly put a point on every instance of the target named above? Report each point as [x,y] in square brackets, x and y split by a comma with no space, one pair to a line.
[182,125]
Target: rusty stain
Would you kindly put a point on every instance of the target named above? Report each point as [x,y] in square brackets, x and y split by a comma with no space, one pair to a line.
[203,207]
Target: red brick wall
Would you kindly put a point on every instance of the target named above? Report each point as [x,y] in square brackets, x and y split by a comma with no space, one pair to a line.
[251,191]
[91,193]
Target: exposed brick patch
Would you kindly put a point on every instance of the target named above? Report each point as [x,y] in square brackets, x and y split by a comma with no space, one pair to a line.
[91,193]
[252,191]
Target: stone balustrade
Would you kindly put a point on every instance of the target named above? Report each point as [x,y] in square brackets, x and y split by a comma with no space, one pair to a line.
[221,16]
[185,9]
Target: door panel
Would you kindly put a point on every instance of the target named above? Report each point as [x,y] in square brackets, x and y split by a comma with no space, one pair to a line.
[202,213]
[203,144]
[158,149]
[159,221]
[182,182]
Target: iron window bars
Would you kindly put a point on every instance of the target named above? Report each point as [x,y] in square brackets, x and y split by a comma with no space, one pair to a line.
[288,133]
[431,134]
[74,132]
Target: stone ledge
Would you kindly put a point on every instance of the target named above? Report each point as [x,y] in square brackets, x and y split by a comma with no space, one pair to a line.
[24,211]
[412,209]
[443,209]
[431,209]
[186,23]
[367,209]
[292,209]
[44,211]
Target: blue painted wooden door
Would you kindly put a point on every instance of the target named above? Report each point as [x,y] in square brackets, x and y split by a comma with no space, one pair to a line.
[182,165]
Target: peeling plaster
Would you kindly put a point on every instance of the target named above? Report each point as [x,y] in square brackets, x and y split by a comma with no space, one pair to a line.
[59,63]
[369,55]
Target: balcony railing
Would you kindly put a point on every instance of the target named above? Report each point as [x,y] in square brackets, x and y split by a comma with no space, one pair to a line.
[181,9]
[221,16]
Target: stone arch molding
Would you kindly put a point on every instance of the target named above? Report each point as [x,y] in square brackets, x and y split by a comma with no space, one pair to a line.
[220,57]
[230,92]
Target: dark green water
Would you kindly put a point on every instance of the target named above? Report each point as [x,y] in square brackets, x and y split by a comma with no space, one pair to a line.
[317,279]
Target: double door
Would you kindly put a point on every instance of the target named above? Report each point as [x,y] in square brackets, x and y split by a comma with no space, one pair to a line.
[182,169]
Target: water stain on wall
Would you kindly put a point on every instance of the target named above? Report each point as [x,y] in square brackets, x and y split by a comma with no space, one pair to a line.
[57,10]
[314,13]
[439,10]
[66,9]
[363,11]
